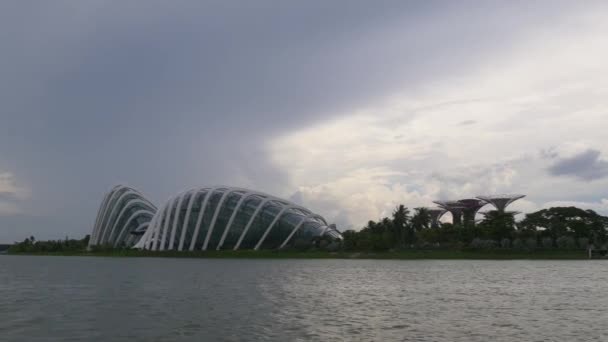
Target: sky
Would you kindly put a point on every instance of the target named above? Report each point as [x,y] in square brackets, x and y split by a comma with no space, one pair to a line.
[346,107]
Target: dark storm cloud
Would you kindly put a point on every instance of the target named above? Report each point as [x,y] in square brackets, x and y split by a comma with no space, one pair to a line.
[587,165]
[166,95]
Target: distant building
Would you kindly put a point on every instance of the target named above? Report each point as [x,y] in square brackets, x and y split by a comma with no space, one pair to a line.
[123,216]
[465,210]
[471,207]
[435,215]
[211,218]
[455,208]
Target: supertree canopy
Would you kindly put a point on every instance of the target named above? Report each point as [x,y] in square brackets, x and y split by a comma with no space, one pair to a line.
[471,207]
[435,214]
[455,208]
[501,202]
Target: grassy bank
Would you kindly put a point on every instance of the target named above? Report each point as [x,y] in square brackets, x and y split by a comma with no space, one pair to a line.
[413,254]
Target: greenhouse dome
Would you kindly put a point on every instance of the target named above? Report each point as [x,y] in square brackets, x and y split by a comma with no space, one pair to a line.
[217,218]
[122,218]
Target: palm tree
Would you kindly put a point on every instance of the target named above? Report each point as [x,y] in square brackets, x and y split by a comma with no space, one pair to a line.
[401,226]
[421,219]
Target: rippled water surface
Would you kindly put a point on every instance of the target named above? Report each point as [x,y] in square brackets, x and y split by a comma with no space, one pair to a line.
[150,299]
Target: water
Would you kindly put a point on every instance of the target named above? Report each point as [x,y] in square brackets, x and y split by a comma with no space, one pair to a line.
[150,299]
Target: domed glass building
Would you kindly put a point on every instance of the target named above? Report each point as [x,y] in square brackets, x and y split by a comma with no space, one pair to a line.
[124,215]
[219,218]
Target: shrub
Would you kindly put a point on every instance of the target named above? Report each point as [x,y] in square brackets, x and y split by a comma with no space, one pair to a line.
[478,243]
[505,243]
[547,242]
[531,243]
[333,246]
[583,242]
[565,242]
[518,244]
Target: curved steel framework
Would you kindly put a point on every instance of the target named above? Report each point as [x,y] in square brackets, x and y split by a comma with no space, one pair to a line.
[231,218]
[455,208]
[123,214]
[435,214]
[501,202]
[470,208]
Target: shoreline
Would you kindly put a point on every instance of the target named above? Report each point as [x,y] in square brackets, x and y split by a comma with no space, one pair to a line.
[431,254]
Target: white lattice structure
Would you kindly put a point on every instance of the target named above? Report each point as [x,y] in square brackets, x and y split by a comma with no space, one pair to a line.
[123,215]
[214,218]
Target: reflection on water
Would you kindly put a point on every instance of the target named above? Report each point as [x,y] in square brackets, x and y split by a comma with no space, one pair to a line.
[146,299]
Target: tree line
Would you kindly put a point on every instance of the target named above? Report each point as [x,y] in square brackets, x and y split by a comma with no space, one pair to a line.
[31,245]
[558,227]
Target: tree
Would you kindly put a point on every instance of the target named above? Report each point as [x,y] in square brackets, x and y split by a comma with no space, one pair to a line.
[28,246]
[421,220]
[567,221]
[349,240]
[401,227]
[497,225]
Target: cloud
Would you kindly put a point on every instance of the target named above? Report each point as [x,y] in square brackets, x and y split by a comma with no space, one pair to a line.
[586,165]
[467,122]
[359,196]
[8,208]
[526,115]
[11,194]
[318,98]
